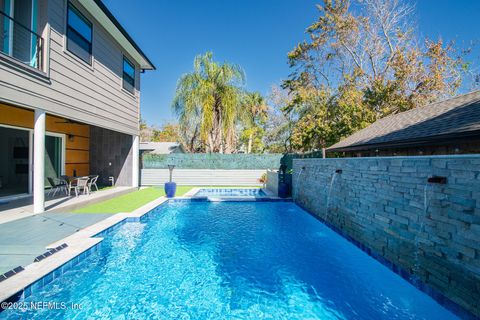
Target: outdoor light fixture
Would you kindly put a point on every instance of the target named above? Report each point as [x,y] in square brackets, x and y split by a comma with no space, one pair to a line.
[70,137]
[170,168]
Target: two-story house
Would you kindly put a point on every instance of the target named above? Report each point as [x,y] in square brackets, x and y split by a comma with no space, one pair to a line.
[69,95]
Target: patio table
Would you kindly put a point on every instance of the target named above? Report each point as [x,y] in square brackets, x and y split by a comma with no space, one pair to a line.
[69,182]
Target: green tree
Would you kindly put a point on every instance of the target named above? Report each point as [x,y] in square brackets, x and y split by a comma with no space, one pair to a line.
[168,133]
[254,114]
[279,124]
[145,131]
[209,98]
[189,134]
[363,64]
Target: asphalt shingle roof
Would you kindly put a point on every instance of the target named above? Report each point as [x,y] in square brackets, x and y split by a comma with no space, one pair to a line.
[161,147]
[449,117]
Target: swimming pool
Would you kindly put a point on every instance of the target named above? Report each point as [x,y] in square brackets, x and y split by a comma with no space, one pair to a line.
[231,260]
[230,192]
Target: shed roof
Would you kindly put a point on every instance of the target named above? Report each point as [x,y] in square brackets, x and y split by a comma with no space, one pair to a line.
[457,117]
[161,147]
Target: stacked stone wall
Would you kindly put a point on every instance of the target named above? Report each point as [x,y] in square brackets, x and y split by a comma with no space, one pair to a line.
[386,204]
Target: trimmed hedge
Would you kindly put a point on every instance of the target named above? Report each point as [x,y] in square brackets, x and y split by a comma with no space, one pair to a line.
[212,161]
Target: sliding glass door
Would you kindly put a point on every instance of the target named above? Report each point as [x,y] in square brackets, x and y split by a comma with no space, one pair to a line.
[14,161]
[53,158]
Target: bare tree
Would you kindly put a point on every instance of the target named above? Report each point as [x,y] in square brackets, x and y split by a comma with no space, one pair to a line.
[361,63]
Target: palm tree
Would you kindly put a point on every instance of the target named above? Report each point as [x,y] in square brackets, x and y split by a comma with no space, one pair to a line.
[254,113]
[210,98]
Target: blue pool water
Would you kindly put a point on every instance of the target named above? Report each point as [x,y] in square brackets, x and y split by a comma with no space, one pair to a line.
[230,192]
[231,260]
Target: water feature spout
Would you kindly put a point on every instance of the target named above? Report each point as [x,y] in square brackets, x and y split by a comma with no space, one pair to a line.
[330,188]
[437,179]
[425,199]
[300,172]
[416,262]
[298,180]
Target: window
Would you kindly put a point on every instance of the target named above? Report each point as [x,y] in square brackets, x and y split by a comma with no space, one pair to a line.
[128,75]
[79,34]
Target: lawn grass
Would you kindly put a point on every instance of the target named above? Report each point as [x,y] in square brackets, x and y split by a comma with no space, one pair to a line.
[130,201]
[134,200]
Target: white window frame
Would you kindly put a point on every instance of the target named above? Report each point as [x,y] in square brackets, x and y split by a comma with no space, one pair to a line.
[70,54]
[10,28]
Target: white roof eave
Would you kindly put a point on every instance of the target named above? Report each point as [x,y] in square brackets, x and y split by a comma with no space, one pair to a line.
[103,19]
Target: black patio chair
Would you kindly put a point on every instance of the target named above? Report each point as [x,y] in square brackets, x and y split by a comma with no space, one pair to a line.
[56,186]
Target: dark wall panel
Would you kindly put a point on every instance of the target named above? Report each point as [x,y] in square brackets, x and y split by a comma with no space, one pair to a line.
[111,155]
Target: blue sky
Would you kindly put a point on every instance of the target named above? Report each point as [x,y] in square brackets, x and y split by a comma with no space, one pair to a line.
[256,34]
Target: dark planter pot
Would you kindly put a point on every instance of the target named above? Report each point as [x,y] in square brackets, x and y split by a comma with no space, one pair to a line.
[170,189]
[283,190]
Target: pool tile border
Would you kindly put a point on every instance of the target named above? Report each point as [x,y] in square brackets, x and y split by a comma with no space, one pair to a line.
[227,192]
[110,229]
[192,192]
[58,272]
[50,252]
[403,273]
[37,275]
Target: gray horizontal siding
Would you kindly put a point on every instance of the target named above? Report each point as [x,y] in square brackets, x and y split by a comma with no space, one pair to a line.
[56,13]
[202,177]
[91,94]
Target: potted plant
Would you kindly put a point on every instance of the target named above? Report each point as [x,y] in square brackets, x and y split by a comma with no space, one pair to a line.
[263,180]
[170,187]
